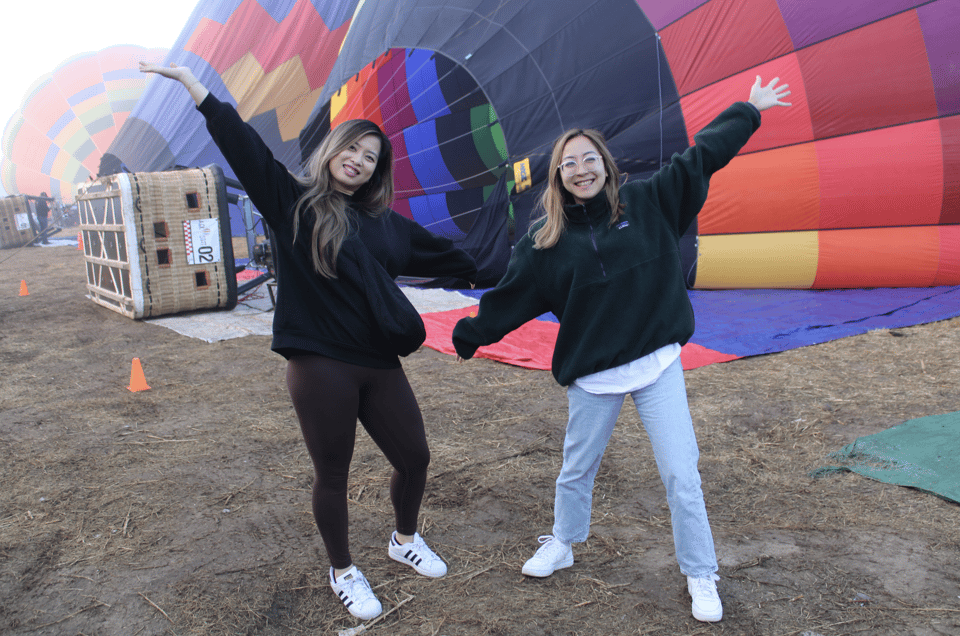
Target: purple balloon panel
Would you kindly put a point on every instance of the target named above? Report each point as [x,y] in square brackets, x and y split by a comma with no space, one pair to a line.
[940,22]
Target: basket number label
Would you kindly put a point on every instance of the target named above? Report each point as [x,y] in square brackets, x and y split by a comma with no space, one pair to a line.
[202,238]
[23,222]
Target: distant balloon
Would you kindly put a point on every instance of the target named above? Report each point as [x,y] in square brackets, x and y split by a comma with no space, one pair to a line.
[858,184]
[68,119]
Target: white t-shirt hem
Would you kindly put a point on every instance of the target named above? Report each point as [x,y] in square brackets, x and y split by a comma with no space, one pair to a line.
[631,376]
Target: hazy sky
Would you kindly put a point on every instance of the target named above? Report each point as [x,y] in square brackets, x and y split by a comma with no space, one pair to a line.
[38,35]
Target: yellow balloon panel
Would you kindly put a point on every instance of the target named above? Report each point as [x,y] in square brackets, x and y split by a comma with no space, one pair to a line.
[753,261]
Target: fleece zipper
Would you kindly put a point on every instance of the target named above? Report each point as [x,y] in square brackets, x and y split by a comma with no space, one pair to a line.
[593,239]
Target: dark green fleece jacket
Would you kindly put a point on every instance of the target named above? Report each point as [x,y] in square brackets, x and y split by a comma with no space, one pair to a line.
[617,290]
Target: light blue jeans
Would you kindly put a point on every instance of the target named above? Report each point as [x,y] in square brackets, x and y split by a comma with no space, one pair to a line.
[663,408]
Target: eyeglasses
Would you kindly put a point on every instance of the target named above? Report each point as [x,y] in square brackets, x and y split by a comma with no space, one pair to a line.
[590,163]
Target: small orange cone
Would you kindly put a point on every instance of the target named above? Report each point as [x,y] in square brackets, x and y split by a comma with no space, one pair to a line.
[23,288]
[137,381]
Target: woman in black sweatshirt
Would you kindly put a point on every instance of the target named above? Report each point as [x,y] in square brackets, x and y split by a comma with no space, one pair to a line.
[341,321]
[606,262]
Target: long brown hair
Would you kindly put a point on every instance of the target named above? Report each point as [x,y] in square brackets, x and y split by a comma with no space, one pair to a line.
[555,195]
[324,208]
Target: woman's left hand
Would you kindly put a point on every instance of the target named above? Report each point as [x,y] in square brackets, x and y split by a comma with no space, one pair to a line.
[180,73]
[764,97]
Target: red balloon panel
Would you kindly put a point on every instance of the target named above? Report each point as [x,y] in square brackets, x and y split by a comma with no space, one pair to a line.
[950,136]
[721,39]
[882,178]
[869,78]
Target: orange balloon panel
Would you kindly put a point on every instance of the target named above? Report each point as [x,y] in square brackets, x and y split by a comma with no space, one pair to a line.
[949,270]
[879,257]
[354,95]
[755,193]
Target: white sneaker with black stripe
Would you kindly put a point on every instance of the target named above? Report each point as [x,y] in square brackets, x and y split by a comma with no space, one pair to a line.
[354,591]
[417,555]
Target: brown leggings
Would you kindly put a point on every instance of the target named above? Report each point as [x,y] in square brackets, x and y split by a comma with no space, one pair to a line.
[329,396]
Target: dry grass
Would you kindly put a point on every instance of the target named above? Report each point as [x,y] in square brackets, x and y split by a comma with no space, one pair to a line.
[185,509]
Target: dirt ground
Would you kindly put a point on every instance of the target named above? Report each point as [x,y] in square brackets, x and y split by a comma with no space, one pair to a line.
[185,509]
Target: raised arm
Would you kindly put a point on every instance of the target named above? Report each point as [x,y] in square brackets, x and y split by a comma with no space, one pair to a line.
[266,181]
[680,187]
[182,74]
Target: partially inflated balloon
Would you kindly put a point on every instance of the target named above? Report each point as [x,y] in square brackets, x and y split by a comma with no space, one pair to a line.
[857,184]
[269,59]
[68,119]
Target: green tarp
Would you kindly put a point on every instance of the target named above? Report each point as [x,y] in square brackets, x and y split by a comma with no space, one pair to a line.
[923,453]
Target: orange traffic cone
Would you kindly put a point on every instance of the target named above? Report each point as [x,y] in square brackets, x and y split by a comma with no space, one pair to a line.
[137,381]
[80,241]
[23,288]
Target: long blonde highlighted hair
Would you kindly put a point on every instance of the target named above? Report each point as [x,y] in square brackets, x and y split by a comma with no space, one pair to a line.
[324,209]
[555,196]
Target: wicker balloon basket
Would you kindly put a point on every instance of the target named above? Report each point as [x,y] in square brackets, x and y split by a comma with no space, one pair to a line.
[158,243]
[15,227]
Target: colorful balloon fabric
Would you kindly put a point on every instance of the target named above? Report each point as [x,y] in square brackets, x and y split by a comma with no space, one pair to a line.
[270,59]
[68,119]
[856,185]
[449,146]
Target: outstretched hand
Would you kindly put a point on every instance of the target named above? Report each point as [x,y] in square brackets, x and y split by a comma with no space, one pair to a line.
[173,71]
[764,97]
[182,74]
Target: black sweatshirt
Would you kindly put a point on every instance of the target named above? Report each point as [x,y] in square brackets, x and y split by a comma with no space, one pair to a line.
[618,290]
[360,317]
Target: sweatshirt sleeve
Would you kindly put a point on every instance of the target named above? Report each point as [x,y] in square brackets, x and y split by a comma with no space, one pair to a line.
[266,181]
[680,187]
[436,256]
[514,301]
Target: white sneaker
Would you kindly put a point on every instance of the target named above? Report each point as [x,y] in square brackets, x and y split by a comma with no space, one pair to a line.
[553,555]
[417,555]
[354,590]
[706,604]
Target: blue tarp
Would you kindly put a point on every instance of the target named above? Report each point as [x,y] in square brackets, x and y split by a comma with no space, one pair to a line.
[750,322]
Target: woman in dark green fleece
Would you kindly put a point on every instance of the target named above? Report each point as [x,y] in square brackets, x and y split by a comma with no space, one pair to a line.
[606,262]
